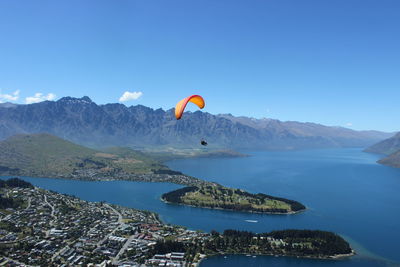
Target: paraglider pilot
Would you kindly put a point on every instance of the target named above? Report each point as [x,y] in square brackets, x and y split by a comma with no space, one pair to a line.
[180,108]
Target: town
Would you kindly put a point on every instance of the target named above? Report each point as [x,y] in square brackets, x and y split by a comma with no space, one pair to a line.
[52,229]
[39,227]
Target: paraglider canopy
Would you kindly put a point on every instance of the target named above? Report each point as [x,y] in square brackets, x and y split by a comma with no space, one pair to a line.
[180,107]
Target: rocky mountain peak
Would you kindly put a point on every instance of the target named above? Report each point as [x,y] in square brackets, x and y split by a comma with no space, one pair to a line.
[74,100]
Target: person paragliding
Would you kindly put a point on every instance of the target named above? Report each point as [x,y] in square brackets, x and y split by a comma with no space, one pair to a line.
[181,105]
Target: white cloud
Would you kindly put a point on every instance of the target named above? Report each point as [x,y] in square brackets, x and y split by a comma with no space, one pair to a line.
[9,97]
[39,97]
[349,124]
[127,96]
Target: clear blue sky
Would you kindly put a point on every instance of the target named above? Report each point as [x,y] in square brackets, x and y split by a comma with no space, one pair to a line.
[330,62]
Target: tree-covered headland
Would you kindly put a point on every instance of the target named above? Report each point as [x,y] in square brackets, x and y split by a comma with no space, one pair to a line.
[217,196]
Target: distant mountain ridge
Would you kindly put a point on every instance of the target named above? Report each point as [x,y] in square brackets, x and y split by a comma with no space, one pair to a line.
[389,147]
[82,121]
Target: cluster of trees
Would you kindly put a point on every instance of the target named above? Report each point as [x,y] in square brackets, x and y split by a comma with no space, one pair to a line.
[15,182]
[6,202]
[287,242]
[238,207]
[294,242]
[90,163]
[328,243]
[10,227]
[175,196]
[166,171]
[163,247]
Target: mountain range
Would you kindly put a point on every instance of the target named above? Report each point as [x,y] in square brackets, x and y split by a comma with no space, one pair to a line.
[82,121]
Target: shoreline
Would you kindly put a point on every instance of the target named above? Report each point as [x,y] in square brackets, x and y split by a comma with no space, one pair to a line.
[331,257]
[108,179]
[165,201]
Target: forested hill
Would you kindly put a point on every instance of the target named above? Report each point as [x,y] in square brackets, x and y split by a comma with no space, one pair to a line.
[82,121]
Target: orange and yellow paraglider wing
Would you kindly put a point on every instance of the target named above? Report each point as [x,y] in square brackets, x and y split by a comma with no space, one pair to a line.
[180,107]
[198,100]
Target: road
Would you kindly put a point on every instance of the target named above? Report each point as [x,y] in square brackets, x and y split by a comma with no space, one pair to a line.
[120,223]
[116,212]
[122,250]
[52,208]
[51,214]
[59,252]
[17,262]
[29,203]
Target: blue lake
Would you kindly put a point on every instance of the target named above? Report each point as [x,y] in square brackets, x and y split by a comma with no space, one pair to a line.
[345,191]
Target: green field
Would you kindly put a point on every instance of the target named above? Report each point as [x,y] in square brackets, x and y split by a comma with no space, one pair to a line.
[219,196]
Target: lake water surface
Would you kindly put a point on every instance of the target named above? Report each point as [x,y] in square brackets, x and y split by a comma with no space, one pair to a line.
[345,191]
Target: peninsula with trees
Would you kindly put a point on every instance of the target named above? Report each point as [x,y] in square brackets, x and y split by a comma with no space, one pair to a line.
[295,243]
[220,197]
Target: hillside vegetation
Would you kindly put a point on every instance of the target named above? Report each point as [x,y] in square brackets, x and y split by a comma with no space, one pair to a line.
[49,156]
